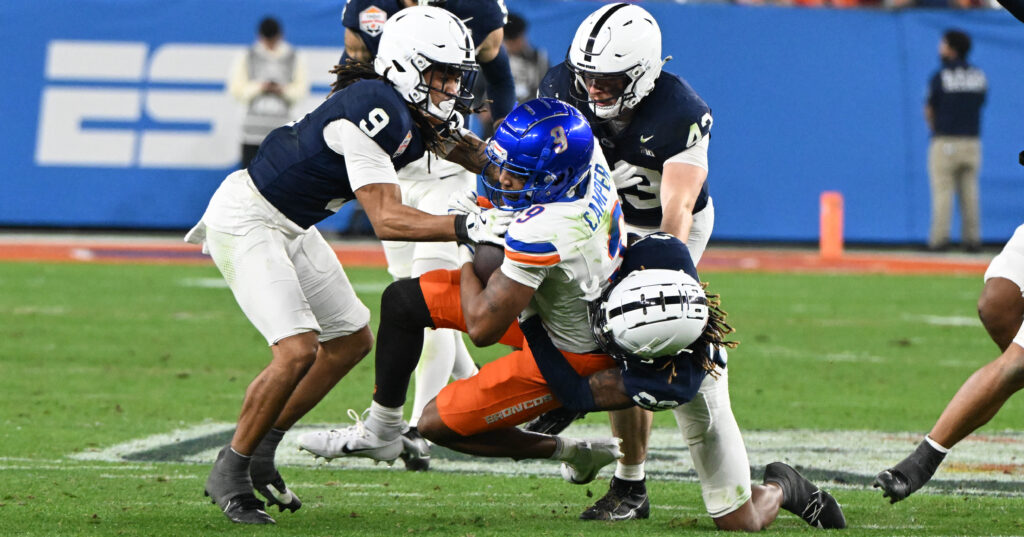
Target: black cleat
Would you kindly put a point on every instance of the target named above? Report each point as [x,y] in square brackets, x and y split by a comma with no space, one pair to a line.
[909,474]
[277,493]
[800,497]
[244,509]
[415,451]
[625,500]
[230,487]
[553,421]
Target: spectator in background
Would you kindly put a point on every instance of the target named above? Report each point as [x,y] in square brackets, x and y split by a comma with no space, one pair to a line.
[953,112]
[528,66]
[268,79]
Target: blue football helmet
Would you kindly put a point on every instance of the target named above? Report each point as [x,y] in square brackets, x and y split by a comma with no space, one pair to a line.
[547,143]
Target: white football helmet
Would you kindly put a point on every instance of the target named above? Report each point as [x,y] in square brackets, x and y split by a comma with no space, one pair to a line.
[621,41]
[650,314]
[418,38]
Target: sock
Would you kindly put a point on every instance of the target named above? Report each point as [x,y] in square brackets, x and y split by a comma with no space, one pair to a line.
[385,422]
[234,461]
[403,316]
[630,472]
[268,446]
[938,447]
[434,368]
[565,448]
[920,466]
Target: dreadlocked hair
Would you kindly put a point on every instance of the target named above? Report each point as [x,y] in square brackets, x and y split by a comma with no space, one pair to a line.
[715,332]
[714,335]
[433,135]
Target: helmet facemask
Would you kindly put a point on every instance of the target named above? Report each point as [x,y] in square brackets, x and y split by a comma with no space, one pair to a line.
[538,185]
[433,77]
[621,87]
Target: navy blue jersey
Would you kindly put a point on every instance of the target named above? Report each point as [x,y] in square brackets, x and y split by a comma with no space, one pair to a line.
[666,383]
[955,95]
[367,17]
[669,120]
[669,384]
[305,179]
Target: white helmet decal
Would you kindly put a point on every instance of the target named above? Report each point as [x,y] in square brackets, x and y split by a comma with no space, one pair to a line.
[616,41]
[652,313]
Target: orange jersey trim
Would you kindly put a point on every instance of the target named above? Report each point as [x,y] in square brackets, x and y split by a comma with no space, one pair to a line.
[530,259]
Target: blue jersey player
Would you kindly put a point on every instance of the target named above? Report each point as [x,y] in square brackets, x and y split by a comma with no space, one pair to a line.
[667,337]
[259,229]
[654,131]
[428,183]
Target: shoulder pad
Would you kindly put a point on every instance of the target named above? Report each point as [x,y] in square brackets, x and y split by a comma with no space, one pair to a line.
[480,16]
[378,111]
[655,388]
[678,110]
[556,83]
[526,241]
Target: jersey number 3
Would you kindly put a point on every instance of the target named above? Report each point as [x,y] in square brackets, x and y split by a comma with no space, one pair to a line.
[376,122]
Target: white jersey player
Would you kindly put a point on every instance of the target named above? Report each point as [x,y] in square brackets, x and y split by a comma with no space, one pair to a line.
[560,252]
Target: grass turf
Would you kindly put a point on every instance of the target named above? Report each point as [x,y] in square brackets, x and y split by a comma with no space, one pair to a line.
[94,355]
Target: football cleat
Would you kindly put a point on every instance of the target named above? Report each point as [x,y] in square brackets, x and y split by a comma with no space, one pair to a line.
[625,500]
[800,497]
[276,492]
[553,421]
[232,492]
[909,474]
[591,456]
[352,441]
[415,451]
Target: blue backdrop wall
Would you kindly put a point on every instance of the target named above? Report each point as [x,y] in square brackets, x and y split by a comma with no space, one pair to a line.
[115,115]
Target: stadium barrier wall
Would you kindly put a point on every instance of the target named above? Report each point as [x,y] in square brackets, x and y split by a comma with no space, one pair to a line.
[115,113]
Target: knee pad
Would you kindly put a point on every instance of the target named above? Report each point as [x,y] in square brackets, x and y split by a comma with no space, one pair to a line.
[402,304]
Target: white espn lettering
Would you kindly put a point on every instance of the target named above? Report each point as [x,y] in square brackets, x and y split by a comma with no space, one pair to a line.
[63,141]
[515,409]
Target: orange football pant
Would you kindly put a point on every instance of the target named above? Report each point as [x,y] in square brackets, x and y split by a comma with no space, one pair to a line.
[507,391]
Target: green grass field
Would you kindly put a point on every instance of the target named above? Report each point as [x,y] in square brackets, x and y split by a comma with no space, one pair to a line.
[94,356]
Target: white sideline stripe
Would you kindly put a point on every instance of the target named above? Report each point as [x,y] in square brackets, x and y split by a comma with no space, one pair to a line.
[986,457]
[220,283]
[944,320]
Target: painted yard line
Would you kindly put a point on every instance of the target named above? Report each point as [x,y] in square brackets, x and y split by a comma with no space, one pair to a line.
[370,254]
[981,464]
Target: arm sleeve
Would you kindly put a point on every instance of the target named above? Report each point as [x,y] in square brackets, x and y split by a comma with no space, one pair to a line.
[696,155]
[572,390]
[529,276]
[501,89]
[365,161]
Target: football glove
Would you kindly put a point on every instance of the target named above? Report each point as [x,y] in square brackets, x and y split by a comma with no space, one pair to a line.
[463,203]
[486,226]
[624,176]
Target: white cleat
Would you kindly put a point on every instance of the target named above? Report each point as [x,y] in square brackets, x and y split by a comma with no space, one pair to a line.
[352,441]
[591,456]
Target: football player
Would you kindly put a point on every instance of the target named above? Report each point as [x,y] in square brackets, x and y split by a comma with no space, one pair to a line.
[560,252]
[654,129]
[259,229]
[427,184]
[667,336]
[1001,308]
